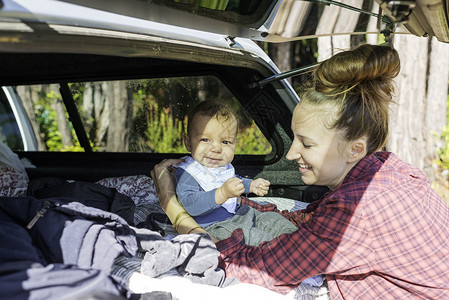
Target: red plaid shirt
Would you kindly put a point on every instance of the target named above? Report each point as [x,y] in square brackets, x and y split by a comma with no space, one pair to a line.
[382,234]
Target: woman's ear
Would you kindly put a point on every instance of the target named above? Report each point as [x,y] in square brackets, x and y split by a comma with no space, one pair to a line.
[357,150]
[186,142]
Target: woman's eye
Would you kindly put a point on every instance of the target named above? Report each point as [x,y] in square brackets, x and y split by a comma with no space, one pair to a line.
[306,146]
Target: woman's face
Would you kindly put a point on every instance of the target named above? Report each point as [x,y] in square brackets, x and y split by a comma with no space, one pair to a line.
[322,153]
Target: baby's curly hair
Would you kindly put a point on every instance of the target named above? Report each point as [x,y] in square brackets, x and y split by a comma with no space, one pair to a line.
[211,108]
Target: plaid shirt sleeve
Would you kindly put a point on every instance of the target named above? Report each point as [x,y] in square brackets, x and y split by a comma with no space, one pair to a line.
[259,207]
[284,262]
[296,217]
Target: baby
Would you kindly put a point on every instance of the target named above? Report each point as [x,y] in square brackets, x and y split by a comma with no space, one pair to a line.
[206,183]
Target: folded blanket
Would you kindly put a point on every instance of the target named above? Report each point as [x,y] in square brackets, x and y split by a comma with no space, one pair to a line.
[257,226]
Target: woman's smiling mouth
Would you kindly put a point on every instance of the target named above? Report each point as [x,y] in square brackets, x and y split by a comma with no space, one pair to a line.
[304,168]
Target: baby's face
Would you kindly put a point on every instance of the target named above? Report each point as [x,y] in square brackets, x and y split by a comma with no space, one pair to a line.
[212,141]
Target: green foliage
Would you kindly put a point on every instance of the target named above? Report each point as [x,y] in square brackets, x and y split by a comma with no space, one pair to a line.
[46,118]
[444,151]
[76,148]
[251,140]
[48,125]
[164,132]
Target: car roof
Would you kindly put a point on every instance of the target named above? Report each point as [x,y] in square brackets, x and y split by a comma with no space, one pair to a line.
[27,14]
[30,27]
[186,21]
[287,20]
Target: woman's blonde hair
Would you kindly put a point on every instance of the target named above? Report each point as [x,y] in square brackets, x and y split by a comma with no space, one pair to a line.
[360,83]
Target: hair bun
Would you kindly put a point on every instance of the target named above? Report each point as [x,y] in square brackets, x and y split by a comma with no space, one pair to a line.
[348,69]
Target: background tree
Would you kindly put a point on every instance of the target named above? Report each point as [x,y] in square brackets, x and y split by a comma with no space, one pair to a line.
[30,97]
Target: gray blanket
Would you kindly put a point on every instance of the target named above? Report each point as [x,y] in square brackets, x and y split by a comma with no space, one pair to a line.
[257,226]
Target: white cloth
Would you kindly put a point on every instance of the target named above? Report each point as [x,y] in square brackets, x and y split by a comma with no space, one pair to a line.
[315,281]
[210,178]
[182,288]
[10,159]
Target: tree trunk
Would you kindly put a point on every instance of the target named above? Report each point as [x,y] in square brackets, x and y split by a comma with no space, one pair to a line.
[407,120]
[437,95]
[61,119]
[420,114]
[281,53]
[96,106]
[336,20]
[29,96]
[120,116]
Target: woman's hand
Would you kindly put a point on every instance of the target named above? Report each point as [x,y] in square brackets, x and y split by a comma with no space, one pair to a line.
[165,187]
[164,182]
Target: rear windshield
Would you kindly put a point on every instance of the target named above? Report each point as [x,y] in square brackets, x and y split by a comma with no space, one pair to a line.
[142,115]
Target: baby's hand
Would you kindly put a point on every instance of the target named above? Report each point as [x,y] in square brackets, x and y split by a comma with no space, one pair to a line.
[259,187]
[233,187]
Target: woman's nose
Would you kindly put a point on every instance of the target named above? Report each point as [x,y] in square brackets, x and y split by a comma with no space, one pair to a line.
[292,153]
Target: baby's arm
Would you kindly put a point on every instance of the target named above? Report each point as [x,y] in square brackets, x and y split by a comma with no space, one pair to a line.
[192,197]
[232,187]
[259,187]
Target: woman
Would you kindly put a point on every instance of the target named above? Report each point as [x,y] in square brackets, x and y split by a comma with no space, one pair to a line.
[381,232]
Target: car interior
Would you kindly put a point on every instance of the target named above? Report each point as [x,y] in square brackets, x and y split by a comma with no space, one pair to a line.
[261,104]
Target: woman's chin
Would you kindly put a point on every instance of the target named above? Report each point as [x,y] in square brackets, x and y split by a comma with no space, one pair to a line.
[308,178]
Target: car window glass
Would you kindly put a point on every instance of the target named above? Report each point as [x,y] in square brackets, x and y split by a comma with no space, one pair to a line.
[246,12]
[9,129]
[144,115]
